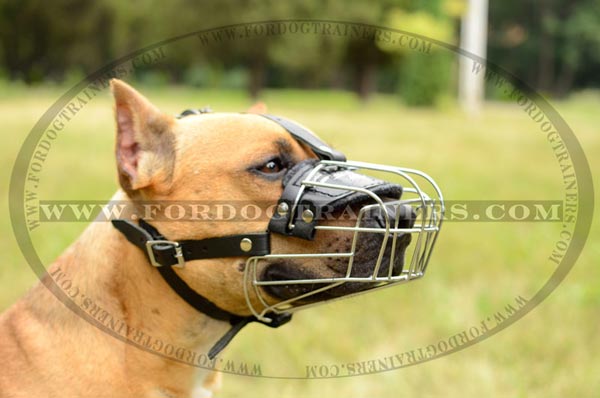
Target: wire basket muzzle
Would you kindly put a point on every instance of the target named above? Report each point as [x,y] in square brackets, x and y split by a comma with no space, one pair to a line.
[368,233]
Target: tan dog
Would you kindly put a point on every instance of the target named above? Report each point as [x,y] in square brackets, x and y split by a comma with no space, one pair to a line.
[48,351]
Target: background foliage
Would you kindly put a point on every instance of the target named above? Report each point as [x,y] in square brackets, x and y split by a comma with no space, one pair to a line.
[552,44]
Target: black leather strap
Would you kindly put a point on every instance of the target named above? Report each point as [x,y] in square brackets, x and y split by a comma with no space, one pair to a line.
[165,254]
[302,134]
[139,235]
[228,246]
[197,301]
[227,337]
[299,132]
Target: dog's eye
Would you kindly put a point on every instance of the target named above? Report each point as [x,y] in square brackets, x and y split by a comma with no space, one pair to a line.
[273,166]
[272,170]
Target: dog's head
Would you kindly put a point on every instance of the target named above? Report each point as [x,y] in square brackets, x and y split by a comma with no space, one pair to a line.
[242,159]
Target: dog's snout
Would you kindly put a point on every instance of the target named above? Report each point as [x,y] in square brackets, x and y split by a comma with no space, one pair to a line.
[398,216]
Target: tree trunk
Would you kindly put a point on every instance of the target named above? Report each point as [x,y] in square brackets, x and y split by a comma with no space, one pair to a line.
[257,77]
[366,80]
[546,51]
[565,80]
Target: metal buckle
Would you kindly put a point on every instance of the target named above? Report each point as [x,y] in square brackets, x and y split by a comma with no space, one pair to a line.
[178,252]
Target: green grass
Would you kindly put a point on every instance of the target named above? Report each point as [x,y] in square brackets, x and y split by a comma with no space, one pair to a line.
[476,270]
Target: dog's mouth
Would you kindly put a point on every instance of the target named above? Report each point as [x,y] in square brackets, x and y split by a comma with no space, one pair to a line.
[314,280]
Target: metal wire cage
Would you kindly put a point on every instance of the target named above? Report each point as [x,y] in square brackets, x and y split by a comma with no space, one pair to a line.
[420,192]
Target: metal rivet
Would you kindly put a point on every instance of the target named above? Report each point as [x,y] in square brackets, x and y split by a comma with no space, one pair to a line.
[282,209]
[246,245]
[307,216]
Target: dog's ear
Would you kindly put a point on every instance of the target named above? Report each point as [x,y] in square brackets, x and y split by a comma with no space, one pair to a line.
[145,142]
[258,108]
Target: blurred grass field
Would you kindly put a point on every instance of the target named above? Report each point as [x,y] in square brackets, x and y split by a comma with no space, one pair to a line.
[476,269]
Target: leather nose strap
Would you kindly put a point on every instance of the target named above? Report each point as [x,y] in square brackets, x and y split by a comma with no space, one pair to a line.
[299,195]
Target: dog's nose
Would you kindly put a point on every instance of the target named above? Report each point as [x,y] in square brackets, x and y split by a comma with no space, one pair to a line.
[399,215]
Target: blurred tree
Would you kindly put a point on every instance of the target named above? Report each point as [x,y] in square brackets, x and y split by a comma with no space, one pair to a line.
[425,77]
[39,40]
[548,43]
[578,40]
[331,59]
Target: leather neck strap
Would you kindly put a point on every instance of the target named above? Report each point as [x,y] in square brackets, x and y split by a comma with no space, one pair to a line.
[165,255]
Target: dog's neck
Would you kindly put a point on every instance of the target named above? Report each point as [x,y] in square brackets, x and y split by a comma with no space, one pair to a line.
[117,286]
